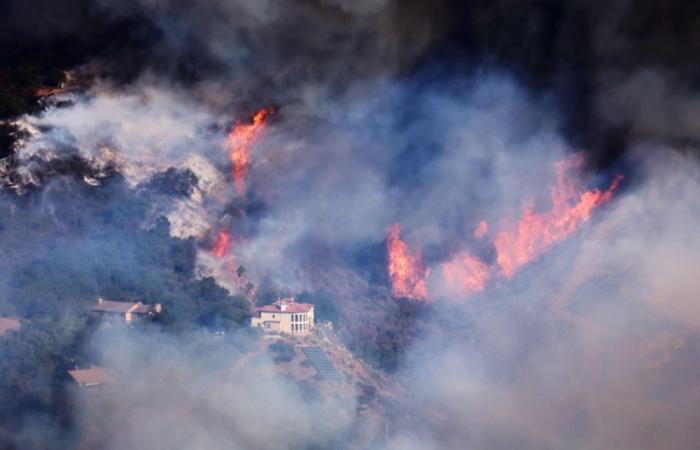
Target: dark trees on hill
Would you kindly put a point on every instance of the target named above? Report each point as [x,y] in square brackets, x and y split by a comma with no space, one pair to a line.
[65,244]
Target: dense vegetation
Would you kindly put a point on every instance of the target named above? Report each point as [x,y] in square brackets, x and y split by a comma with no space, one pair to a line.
[63,245]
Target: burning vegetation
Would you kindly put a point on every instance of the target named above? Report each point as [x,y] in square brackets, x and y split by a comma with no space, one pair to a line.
[239,144]
[464,278]
[516,243]
[521,242]
[222,244]
[405,268]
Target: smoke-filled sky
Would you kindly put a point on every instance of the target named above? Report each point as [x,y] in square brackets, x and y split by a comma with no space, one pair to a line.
[431,115]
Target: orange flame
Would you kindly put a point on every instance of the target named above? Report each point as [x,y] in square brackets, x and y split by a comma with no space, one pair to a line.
[516,244]
[466,274]
[405,268]
[239,142]
[535,232]
[221,247]
[241,283]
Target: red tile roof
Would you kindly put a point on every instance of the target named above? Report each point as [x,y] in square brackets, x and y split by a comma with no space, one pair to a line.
[292,307]
[9,324]
[90,377]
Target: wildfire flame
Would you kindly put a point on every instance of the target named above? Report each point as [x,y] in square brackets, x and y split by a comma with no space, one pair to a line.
[222,244]
[516,244]
[405,268]
[520,243]
[239,142]
[240,281]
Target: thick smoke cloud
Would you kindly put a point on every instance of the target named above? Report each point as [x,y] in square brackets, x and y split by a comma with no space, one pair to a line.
[276,52]
[435,118]
[588,348]
[593,356]
[202,392]
[602,62]
[328,175]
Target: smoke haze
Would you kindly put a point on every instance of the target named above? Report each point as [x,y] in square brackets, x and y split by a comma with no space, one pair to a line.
[435,117]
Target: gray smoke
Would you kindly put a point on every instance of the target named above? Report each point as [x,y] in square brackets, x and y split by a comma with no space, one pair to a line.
[592,350]
[590,346]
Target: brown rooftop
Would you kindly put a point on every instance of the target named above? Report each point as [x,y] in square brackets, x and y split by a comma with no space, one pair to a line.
[90,377]
[9,324]
[120,307]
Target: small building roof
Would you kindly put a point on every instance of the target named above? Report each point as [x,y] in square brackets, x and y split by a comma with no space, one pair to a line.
[110,306]
[90,377]
[142,309]
[290,307]
[9,324]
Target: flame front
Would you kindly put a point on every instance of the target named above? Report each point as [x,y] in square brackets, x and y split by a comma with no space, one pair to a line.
[239,142]
[223,242]
[520,243]
[516,244]
[405,268]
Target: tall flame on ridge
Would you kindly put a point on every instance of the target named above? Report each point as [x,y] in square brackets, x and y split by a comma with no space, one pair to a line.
[239,142]
[518,244]
[405,268]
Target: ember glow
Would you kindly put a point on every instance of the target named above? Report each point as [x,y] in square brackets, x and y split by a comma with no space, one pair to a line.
[239,143]
[405,268]
[221,247]
[519,243]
